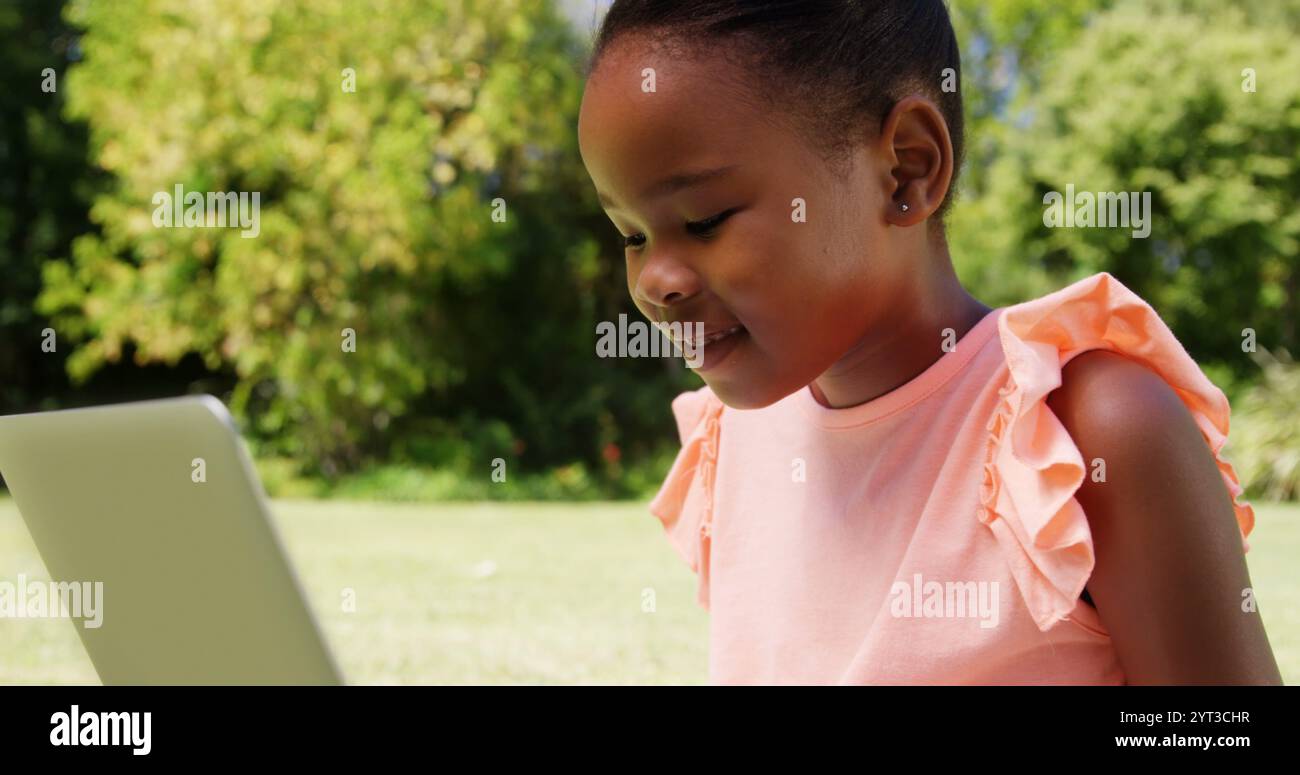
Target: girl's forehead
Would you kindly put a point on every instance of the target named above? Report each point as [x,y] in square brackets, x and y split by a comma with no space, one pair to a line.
[645,116]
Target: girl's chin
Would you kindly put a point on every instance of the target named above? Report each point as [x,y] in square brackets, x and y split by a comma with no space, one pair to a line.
[748,380]
[739,390]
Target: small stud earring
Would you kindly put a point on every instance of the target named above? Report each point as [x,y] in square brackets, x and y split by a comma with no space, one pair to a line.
[902,206]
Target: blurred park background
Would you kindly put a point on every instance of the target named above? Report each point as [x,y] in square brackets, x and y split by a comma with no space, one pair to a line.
[475,337]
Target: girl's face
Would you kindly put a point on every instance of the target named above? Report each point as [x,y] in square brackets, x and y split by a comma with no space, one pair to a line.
[734,220]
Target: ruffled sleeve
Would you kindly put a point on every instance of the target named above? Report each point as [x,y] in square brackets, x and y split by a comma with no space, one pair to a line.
[684,504]
[1032,468]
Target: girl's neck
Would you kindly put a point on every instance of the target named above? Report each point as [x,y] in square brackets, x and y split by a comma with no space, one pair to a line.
[883,361]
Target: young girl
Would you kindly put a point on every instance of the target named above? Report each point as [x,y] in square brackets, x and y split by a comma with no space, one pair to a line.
[885,481]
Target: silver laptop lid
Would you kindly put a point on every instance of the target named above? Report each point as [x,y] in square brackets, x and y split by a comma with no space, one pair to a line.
[158,501]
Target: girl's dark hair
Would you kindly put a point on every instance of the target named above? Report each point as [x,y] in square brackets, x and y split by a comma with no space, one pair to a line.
[842,61]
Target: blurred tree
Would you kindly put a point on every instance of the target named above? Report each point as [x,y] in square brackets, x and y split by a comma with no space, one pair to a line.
[376,215]
[1006,46]
[1152,99]
[44,191]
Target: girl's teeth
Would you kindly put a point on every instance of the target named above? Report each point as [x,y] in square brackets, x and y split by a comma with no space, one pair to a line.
[719,335]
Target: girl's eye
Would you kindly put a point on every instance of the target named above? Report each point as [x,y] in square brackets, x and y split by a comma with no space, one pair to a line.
[702,228]
[705,227]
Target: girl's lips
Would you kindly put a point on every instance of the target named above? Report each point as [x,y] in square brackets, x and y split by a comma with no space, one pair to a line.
[710,338]
[715,348]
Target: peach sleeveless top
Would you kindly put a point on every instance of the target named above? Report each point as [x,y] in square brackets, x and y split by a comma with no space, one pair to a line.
[930,535]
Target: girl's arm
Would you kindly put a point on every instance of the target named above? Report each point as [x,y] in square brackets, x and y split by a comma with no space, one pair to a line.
[1170,572]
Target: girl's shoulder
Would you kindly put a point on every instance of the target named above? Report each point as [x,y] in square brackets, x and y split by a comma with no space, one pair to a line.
[1130,351]
[1135,384]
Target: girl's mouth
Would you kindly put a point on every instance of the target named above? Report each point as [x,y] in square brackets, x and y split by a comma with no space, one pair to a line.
[710,338]
[714,348]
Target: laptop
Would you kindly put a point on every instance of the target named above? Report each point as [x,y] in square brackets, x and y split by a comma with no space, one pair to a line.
[159,501]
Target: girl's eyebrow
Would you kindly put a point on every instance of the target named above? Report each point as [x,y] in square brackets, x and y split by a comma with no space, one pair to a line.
[675,182]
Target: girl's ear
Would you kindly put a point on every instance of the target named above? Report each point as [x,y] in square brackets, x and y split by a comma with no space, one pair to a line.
[915,143]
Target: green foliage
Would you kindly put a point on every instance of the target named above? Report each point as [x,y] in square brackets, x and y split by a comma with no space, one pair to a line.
[44,188]
[376,216]
[1265,434]
[1005,44]
[1151,99]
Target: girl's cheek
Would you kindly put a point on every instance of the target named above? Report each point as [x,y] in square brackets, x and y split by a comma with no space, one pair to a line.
[633,277]
[765,267]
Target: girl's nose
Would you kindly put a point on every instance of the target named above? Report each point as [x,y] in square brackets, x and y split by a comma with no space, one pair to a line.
[665,282]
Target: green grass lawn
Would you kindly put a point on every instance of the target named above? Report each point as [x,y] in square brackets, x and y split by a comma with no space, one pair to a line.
[469,593]
[510,593]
